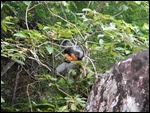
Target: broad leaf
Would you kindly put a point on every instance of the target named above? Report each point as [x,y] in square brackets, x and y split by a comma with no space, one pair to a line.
[19,35]
[27,2]
[73,107]
[49,49]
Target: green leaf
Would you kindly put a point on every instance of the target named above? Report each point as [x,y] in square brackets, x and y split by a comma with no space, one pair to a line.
[2,100]
[64,3]
[119,48]
[111,27]
[46,27]
[86,9]
[70,81]
[1,5]
[58,23]
[19,35]
[3,55]
[125,7]
[16,60]
[90,75]
[146,26]
[2,82]
[138,2]
[62,82]
[127,51]
[27,2]
[63,108]
[43,105]
[3,25]
[52,78]
[49,49]
[101,42]
[73,107]
[20,62]
[34,103]
[9,23]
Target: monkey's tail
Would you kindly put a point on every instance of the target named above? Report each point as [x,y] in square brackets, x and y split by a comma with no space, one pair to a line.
[84,70]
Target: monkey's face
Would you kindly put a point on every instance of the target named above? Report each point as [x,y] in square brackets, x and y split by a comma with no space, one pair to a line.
[75,52]
[71,52]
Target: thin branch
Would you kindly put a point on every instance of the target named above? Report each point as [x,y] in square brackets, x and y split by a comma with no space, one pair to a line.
[26,17]
[88,7]
[7,67]
[62,91]
[64,20]
[119,13]
[29,97]
[30,74]
[89,4]
[64,79]
[100,5]
[35,6]
[31,84]
[63,12]
[95,72]
[16,84]
[40,62]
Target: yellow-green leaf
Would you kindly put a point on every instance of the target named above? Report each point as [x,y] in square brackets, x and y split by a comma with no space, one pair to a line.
[73,107]
[49,49]
[19,35]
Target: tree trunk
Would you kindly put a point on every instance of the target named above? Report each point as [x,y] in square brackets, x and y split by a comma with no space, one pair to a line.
[124,88]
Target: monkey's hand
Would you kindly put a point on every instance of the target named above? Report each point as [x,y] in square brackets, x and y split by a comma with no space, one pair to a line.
[81,65]
[70,58]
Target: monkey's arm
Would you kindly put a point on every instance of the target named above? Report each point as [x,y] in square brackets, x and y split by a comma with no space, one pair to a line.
[70,58]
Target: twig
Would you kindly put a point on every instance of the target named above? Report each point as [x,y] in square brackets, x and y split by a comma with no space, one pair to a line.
[100,5]
[35,6]
[26,18]
[31,84]
[62,91]
[89,4]
[95,72]
[64,79]
[29,73]
[29,97]
[64,20]
[40,62]
[88,7]
[119,13]
[7,67]
[95,33]
[16,84]
[63,11]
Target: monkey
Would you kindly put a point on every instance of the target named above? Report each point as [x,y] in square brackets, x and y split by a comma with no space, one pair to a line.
[71,51]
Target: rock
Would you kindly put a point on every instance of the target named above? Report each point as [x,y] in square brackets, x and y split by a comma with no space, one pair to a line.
[124,88]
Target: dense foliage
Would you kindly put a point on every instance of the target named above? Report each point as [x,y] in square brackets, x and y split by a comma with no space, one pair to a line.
[31,32]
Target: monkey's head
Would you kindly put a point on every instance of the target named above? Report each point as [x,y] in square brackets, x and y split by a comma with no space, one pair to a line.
[66,43]
[71,51]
